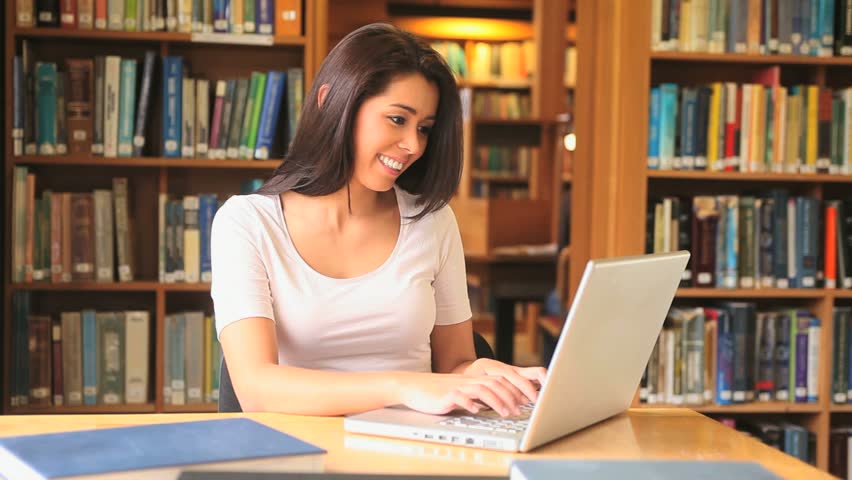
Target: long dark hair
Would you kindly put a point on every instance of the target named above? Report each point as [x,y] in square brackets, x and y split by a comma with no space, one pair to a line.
[320,160]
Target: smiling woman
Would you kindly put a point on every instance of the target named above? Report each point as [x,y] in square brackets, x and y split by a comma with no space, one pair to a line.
[340,285]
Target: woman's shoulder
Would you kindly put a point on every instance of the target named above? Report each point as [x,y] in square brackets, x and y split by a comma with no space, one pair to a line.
[247,208]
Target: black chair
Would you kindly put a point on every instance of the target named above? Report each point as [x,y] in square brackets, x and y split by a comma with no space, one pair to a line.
[228,398]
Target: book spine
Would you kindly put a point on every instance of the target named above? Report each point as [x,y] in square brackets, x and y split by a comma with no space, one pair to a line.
[782,357]
[295,95]
[47,13]
[61,116]
[110,335]
[40,378]
[172,84]
[131,13]
[79,104]
[245,125]
[104,237]
[127,105]
[269,116]
[45,94]
[90,358]
[85,14]
[137,343]
[83,236]
[56,252]
[256,110]
[139,134]
[206,212]
[115,14]
[112,89]
[191,239]
[216,120]
[24,13]
[58,384]
[237,116]
[68,14]
[18,106]
[188,118]
[122,229]
[202,117]
[72,358]
[98,124]
[288,17]
[813,360]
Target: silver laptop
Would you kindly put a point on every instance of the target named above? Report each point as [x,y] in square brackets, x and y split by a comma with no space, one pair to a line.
[606,342]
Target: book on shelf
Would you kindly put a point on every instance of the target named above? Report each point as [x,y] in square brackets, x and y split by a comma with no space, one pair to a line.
[755,127]
[265,17]
[104,108]
[788,27]
[192,358]
[733,354]
[768,239]
[77,358]
[69,236]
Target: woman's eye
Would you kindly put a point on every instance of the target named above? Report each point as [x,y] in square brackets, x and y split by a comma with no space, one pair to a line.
[397,119]
[425,130]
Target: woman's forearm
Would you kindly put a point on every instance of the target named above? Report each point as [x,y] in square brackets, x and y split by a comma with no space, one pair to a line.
[300,391]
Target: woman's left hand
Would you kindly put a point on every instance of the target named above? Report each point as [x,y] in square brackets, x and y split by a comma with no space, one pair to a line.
[521,377]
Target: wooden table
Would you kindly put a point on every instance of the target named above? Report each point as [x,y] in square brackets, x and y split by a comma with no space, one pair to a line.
[674,434]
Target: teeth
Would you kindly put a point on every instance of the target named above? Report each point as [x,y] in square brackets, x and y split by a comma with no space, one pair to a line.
[390,163]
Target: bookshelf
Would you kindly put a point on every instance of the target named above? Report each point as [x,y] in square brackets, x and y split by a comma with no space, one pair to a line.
[616,209]
[149,176]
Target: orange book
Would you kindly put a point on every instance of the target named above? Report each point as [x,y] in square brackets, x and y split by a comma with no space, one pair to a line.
[830,267]
[288,17]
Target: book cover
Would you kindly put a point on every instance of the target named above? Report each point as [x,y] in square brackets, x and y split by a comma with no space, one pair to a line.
[100,451]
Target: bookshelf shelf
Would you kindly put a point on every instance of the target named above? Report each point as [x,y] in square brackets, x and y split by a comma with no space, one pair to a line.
[750,59]
[754,407]
[698,175]
[507,85]
[84,409]
[841,293]
[750,293]
[839,408]
[534,122]
[169,37]
[192,408]
[497,177]
[87,286]
[184,287]
[145,162]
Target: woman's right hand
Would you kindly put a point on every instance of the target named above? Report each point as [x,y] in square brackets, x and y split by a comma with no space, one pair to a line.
[439,393]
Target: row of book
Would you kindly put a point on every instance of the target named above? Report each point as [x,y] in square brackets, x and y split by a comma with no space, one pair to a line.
[787,437]
[789,27]
[64,237]
[759,127]
[502,104]
[734,354]
[98,106]
[184,231]
[505,160]
[83,357]
[192,358]
[768,240]
[507,63]
[489,189]
[280,17]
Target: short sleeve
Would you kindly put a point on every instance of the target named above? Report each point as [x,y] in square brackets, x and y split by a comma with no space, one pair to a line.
[451,300]
[240,286]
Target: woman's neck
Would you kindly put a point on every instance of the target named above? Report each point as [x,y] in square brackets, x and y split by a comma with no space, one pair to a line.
[344,205]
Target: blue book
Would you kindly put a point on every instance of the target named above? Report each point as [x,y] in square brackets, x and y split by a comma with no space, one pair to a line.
[275,84]
[637,470]
[654,129]
[127,106]
[206,211]
[90,358]
[164,446]
[172,95]
[45,94]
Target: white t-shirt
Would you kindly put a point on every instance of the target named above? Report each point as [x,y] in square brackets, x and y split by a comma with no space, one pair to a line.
[374,322]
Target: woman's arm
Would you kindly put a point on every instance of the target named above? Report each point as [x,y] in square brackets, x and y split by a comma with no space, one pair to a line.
[261,384]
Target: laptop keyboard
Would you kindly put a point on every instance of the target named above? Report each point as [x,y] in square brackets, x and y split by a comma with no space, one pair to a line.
[491,421]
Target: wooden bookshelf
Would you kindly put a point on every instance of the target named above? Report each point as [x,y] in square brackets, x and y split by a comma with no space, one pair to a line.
[167,162]
[148,176]
[612,184]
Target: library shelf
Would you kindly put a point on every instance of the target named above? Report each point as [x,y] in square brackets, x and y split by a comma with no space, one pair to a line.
[145,162]
[750,58]
[168,37]
[83,409]
[749,293]
[699,175]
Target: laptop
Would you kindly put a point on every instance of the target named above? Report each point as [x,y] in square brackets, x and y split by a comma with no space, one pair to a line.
[611,328]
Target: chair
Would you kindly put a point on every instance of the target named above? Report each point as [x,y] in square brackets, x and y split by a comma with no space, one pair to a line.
[228,401]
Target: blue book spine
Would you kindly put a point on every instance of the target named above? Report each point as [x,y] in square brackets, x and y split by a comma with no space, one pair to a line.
[801,391]
[721,245]
[45,94]
[654,129]
[732,243]
[265,16]
[810,9]
[815,27]
[267,127]
[18,96]
[688,129]
[144,101]
[127,107]
[172,97]
[813,359]
[22,358]
[221,14]
[207,210]
[725,359]
[90,358]
[798,12]
[827,27]
[668,120]
[782,357]
[807,231]
[785,27]
[779,237]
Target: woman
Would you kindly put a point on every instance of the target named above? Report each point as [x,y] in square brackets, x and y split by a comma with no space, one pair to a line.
[340,285]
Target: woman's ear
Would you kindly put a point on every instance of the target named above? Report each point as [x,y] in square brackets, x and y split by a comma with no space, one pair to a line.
[323,91]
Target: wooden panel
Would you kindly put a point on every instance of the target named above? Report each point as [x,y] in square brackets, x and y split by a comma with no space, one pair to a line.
[518,222]
[472,217]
